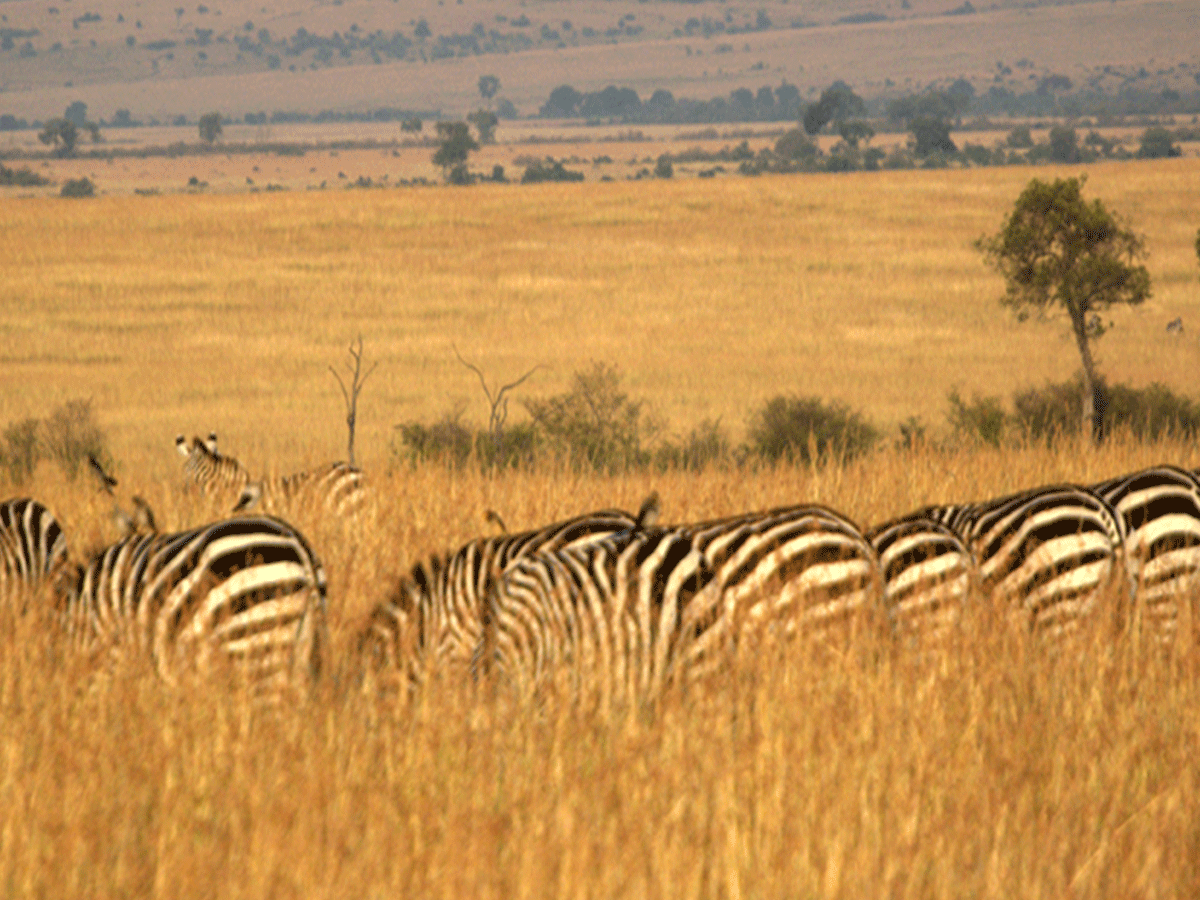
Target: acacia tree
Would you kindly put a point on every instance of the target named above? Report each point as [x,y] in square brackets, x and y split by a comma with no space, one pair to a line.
[210,127]
[452,153]
[1056,250]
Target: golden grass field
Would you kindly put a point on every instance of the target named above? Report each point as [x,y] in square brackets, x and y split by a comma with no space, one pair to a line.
[989,769]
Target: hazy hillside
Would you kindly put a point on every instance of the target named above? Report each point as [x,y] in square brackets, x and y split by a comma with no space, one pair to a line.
[244,56]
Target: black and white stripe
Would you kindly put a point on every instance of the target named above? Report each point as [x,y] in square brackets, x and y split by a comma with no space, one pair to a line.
[808,566]
[1052,552]
[611,621]
[1160,508]
[209,470]
[434,616]
[928,575]
[622,617]
[32,547]
[337,489]
[247,594]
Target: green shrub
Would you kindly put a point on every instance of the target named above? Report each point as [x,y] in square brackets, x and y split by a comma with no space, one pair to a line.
[69,436]
[21,449]
[807,429]
[983,419]
[78,187]
[705,446]
[1151,412]
[594,424]
[447,441]
[551,170]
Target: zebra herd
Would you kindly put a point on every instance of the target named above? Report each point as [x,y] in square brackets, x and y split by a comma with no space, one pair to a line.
[609,603]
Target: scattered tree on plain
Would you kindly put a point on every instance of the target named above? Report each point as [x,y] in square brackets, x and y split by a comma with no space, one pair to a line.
[63,134]
[1057,250]
[485,123]
[451,155]
[488,85]
[210,127]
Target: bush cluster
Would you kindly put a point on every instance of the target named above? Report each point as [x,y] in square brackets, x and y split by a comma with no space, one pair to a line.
[596,425]
[66,437]
[1050,412]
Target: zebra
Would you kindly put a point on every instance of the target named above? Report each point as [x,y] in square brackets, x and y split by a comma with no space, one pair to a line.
[627,614]
[207,469]
[1052,552]
[619,618]
[337,488]
[1160,507]
[434,616]
[807,564]
[247,593]
[32,547]
[928,575]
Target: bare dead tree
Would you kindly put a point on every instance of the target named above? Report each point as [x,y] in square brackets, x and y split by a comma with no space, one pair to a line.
[350,396]
[497,401]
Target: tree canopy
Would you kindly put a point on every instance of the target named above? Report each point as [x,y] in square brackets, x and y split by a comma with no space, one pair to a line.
[1058,251]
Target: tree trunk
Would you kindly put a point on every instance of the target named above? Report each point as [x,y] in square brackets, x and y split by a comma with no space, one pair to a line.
[1088,405]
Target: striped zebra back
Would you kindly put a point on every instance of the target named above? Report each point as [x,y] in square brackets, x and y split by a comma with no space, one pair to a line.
[1160,508]
[928,575]
[210,471]
[337,489]
[246,593]
[806,566]
[435,614]
[614,620]
[1052,553]
[32,547]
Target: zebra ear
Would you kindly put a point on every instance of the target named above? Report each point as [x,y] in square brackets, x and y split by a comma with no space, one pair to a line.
[211,444]
[251,495]
[124,522]
[143,517]
[647,512]
[181,445]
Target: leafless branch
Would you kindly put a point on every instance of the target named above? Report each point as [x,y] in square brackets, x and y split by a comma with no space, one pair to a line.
[350,395]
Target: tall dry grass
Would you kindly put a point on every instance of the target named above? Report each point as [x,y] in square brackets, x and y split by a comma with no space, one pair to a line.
[990,769]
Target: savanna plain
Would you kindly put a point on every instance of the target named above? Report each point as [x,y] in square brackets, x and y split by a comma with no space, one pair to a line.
[984,766]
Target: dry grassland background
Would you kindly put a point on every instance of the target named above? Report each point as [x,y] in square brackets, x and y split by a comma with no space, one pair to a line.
[185,313]
[990,768]
[918,45]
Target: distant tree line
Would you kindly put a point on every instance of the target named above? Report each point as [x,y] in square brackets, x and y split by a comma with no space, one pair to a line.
[1050,98]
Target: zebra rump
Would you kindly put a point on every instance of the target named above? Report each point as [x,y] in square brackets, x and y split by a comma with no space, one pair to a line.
[927,576]
[246,593]
[32,546]
[808,567]
[614,620]
[1160,508]
[1052,553]
[435,614]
